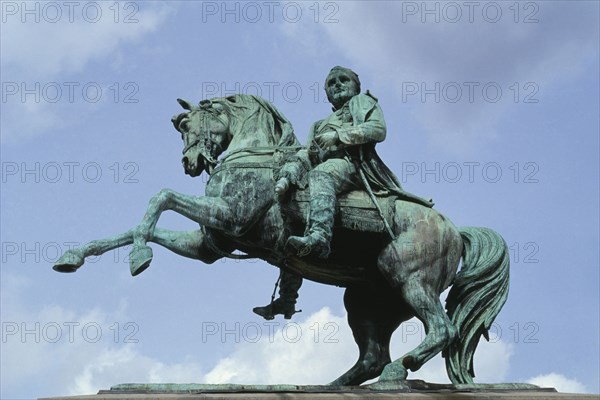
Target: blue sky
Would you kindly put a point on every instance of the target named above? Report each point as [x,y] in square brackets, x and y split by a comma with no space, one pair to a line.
[492,110]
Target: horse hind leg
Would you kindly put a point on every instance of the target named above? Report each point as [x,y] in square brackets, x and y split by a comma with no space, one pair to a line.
[373,315]
[418,266]
[439,331]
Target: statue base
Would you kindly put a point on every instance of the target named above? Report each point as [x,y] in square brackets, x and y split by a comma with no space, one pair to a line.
[408,390]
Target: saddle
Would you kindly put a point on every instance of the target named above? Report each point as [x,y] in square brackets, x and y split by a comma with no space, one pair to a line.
[354,210]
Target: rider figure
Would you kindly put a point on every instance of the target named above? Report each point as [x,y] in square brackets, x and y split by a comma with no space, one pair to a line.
[334,145]
[338,147]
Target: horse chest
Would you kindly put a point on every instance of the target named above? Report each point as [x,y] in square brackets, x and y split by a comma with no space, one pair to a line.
[243,187]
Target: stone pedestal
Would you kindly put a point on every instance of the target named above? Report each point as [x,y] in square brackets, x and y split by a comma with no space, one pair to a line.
[409,390]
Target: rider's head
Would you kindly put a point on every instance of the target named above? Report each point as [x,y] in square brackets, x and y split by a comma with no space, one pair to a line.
[341,85]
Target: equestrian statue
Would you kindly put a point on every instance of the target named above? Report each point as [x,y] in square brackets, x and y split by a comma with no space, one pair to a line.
[331,212]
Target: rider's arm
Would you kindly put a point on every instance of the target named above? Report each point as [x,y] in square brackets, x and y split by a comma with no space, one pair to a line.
[371,130]
[294,170]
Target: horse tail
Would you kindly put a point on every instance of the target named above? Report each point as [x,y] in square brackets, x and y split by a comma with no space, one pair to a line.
[478,293]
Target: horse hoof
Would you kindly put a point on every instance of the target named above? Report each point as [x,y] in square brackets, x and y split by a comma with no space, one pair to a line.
[139,259]
[393,372]
[68,262]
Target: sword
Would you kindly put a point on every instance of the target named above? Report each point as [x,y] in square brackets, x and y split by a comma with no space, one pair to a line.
[365,183]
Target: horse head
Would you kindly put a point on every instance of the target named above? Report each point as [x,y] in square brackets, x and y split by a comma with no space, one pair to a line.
[228,123]
[205,131]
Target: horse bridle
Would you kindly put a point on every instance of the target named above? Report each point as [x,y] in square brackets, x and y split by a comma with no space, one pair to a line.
[205,135]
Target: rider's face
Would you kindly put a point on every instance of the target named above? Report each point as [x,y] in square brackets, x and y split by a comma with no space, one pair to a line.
[340,87]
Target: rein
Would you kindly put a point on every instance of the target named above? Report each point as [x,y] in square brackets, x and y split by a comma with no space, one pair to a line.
[250,152]
[189,146]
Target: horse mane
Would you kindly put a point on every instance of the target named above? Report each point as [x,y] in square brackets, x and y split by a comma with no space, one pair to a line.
[249,113]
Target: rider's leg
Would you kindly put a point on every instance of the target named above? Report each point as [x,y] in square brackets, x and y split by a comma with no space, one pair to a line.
[286,303]
[326,181]
[320,222]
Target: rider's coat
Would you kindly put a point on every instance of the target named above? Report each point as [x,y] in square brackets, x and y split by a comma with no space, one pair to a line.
[360,125]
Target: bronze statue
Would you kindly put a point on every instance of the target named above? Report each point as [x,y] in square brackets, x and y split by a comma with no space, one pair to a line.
[340,157]
[392,251]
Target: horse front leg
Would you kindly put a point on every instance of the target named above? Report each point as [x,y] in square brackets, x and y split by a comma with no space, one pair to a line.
[72,259]
[207,211]
[187,244]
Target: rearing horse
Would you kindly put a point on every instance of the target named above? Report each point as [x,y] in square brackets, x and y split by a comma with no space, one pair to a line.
[387,281]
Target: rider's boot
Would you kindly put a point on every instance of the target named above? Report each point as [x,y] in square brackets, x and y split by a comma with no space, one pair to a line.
[285,304]
[317,240]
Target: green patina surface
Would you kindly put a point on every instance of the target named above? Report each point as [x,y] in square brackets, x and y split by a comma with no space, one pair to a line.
[257,166]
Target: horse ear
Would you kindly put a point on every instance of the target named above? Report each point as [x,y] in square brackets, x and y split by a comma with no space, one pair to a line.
[185,104]
[175,121]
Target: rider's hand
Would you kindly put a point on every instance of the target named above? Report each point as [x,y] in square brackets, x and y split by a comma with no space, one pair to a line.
[328,139]
[288,175]
[282,186]
[290,171]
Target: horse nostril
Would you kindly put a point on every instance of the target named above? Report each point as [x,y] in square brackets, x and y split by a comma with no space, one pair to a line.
[185,161]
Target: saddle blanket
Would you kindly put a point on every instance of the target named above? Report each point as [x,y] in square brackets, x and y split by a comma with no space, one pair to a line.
[354,210]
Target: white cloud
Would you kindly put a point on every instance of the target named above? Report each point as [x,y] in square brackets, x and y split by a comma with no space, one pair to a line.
[310,361]
[43,63]
[51,359]
[111,366]
[313,351]
[558,382]
[42,50]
